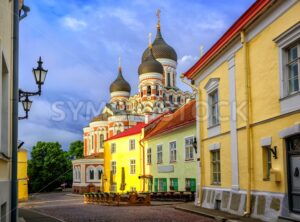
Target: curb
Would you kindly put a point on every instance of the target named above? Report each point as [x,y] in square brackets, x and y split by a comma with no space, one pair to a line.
[42,214]
[217,218]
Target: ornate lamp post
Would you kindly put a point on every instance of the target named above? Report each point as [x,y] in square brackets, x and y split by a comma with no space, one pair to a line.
[39,74]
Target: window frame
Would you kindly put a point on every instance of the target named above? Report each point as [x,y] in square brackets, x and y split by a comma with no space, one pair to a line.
[132,166]
[113,148]
[213,107]
[157,153]
[191,148]
[217,163]
[149,156]
[113,167]
[130,144]
[173,150]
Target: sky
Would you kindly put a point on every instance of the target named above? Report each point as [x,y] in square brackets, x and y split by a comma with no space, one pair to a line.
[80,42]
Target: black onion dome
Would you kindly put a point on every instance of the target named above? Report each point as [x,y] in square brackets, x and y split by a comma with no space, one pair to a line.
[120,84]
[150,64]
[161,49]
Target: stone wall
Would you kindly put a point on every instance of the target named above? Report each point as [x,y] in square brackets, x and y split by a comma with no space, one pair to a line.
[264,205]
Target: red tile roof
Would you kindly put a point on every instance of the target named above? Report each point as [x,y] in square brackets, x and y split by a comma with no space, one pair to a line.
[249,16]
[182,117]
[132,131]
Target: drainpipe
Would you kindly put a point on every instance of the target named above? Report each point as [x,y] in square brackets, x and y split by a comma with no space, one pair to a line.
[200,153]
[248,114]
[15,100]
[143,159]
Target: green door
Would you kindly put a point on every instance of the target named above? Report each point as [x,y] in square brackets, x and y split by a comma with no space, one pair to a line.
[165,184]
[193,185]
[155,184]
[175,181]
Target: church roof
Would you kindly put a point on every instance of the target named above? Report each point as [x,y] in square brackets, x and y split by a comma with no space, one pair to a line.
[180,118]
[120,84]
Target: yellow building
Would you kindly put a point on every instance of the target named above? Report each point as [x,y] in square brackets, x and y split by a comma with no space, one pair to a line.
[123,161]
[22,175]
[249,104]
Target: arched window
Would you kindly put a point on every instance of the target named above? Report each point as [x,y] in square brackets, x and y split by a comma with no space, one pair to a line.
[99,174]
[171,99]
[101,140]
[157,90]
[178,99]
[168,79]
[91,174]
[148,90]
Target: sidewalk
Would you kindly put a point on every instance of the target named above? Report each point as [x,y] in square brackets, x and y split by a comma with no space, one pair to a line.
[34,216]
[216,214]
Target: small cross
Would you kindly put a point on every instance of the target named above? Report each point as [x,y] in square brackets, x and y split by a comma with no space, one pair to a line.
[150,38]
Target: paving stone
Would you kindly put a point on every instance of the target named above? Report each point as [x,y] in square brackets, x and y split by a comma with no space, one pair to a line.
[235,201]
[261,204]
[275,204]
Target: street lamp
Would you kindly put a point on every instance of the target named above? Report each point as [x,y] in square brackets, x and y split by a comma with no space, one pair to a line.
[39,74]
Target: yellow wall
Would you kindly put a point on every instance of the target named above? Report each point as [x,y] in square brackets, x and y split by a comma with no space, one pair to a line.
[265,104]
[22,175]
[122,156]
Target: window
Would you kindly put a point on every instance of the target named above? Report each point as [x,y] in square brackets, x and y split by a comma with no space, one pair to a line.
[190,184]
[91,174]
[148,90]
[174,184]
[178,99]
[113,148]
[164,96]
[149,158]
[101,140]
[215,167]
[168,79]
[213,101]
[189,149]
[293,69]
[99,174]
[92,142]
[172,151]
[171,99]
[131,144]
[267,162]
[160,185]
[159,154]
[157,90]
[132,166]
[113,167]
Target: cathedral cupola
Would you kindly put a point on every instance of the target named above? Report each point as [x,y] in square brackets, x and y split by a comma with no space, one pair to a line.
[149,63]
[120,87]
[160,49]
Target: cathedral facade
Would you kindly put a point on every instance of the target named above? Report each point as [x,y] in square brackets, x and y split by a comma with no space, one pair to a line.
[157,94]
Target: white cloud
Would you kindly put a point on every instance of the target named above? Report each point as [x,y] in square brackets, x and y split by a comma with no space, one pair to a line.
[73,23]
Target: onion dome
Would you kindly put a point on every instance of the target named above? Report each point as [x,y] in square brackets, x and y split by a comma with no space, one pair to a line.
[160,49]
[150,64]
[120,84]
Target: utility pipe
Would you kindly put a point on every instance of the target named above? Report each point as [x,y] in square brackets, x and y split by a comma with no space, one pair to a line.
[248,114]
[143,159]
[15,100]
[199,136]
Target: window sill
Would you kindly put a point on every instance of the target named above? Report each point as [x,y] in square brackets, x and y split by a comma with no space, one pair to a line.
[290,95]
[159,163]
[215,184]
[213,126]
[266,179]
[290,102]
[4,157]
[190,160]
[173,161]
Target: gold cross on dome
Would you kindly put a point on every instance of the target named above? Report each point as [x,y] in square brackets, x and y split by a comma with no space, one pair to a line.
[150,39]
[158,17]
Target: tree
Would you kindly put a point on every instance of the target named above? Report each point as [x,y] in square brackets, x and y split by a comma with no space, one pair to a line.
[49,167]
[76,149]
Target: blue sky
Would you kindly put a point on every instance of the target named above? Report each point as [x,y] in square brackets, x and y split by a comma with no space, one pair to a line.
[80,42]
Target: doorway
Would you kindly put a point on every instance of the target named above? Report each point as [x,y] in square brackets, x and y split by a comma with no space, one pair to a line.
[293,161]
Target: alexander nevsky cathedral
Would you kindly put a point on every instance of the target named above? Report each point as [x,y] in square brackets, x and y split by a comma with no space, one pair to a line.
[157,93]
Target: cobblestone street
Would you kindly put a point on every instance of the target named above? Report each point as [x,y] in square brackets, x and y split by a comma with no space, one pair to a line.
[68,207]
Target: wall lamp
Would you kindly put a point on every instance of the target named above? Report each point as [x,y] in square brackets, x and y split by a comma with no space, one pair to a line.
[274,152]
[39,74]
[195,144]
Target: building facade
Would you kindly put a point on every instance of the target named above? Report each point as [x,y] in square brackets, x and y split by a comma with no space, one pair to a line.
[170,158]
[157,93]
[248,85]
[123,161]
[22,175]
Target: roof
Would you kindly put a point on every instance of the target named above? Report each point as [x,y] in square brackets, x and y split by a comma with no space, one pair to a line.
[248,17]
[182,117]
[132,131]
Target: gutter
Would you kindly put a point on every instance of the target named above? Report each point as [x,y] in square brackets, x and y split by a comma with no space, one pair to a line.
[15,100]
